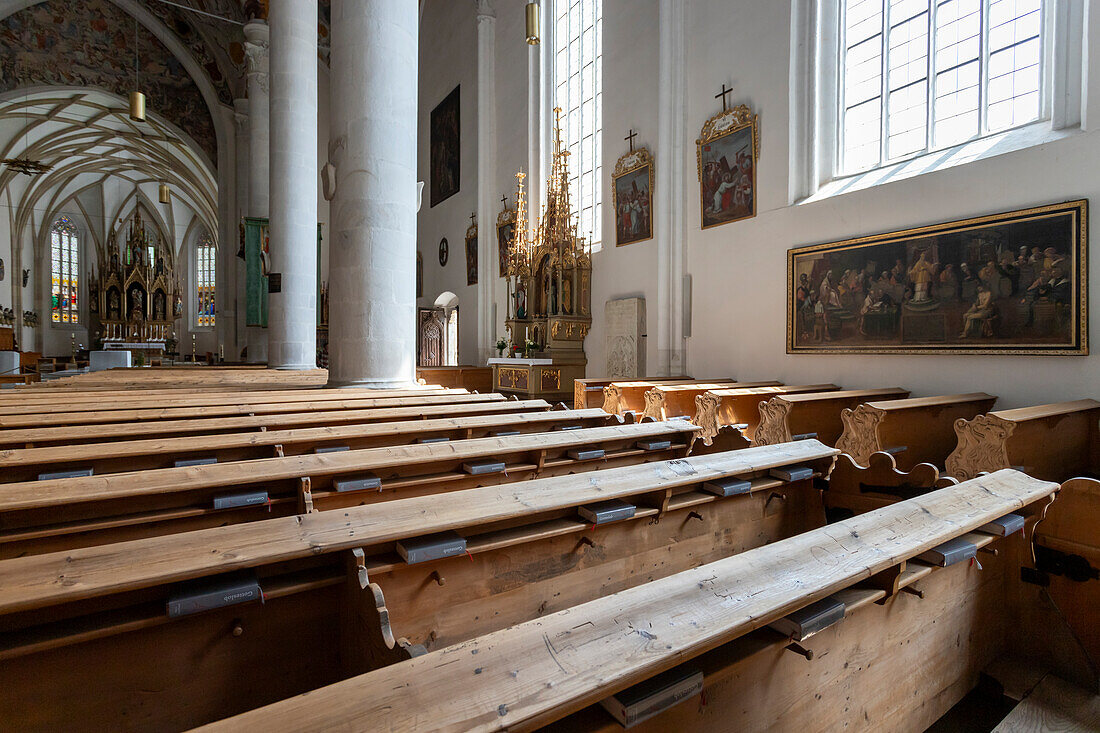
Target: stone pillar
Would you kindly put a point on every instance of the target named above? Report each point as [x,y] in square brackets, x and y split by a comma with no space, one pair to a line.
[292,312]
[256,35]
[240,107]
[486,174]
[372,252]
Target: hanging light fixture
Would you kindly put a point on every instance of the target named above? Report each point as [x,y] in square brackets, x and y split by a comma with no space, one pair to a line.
[533,24]
[137,99]
[165,194]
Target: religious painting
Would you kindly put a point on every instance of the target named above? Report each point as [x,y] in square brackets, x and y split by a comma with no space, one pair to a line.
[1011,283]
[444,160]
[471,255]
[506,232]
[632,197]
[419,275]
[727,150]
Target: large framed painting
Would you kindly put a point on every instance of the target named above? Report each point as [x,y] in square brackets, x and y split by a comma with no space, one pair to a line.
[727,150]
[506,232]
[632,197]
[1011,283]
[471,255]
[444,158]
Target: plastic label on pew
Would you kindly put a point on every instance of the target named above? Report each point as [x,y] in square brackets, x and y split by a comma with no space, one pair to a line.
[236,501]
[728,487]
[440,439]
[585,454]
[196,462]
[364,482]
[792,473]
[657,694]
[208,595]
[431,547]
[77,473]
[505,433]
[949,553]
[603,512]
[331,449]
[482,468]
[1003,526]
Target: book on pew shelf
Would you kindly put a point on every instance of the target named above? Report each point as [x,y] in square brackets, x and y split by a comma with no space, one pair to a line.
[654,444]
[805,622]
[363,482]
[481,468]
[75,473]
[570,427]
[331,449]
[440,439]
[603,512]
[949,553]
[728,486]
[431,547]
[585,454]
[655,695]
[804,436]
[207,594]
[207,461]
[505,433]
[792,473]
[238,500]
[1003,526]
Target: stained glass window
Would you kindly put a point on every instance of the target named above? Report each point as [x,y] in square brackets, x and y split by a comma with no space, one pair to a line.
[578,90]
[64,272]
[205,274]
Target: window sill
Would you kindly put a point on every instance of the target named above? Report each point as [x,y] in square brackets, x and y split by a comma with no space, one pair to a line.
[1010,141]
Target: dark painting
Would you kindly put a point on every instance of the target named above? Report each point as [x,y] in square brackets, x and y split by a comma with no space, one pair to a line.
[633,206]
[444,149]
[471,260]
[1006,283]
[728,177]
[505,233]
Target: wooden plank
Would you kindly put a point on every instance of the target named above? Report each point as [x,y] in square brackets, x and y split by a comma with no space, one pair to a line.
[627,395]
[589,392]
[719,408]
[818,413]
[30,582]
[1054,706]
[539,671]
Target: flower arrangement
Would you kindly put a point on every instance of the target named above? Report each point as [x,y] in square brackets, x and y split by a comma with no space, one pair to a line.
[529,347]
[502,344]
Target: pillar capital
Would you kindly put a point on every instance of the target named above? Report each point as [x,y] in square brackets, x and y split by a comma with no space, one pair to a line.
[257,44]
[486,13]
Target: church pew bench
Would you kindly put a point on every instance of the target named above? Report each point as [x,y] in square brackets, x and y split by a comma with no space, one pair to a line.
[1054,442]
[916,430]
[134,455]
[534,673]
[739,408]
[106,432]
[814,414]
[665,402]
[473,378]
[620,397]
[239,377]
[530,554]
[589,392]
[856,487]
[263,408]
[55,514]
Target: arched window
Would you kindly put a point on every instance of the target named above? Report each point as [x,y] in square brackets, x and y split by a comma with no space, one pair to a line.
[65,272]
[578,90]
[205,277]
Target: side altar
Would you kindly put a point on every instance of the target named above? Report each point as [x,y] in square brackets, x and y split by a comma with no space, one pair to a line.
[549,273]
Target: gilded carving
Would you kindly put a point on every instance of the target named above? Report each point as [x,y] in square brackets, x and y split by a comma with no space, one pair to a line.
[982,446]
[551,379]
[706,416]
[860,436]
[613,399]
[724,122]
[773,423]
[654,404]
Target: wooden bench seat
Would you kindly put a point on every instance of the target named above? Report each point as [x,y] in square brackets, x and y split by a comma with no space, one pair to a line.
[534,673]
[242,377]
[264,408]
[134,455]
[1054,442]
[664,402]
[815,414]
[621,397]
[473,378]
[589,392]
[530,554]
[56,514]
[917,430]
[740,407]
[106,432]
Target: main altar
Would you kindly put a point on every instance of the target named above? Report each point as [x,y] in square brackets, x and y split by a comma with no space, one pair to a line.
[136,299]
[549,275]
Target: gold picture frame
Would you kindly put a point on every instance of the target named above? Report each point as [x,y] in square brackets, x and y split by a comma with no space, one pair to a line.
[721,158]
[506,230]
[633,180]
[471,254]
[1013,283]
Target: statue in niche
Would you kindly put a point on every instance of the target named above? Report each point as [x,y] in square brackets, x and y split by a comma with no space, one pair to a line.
[137,304]
[114,261]
[177,304]
[567,296]
[158,306]
[114,306]
[553,296]
[521,301]
[160,266]
[135,256]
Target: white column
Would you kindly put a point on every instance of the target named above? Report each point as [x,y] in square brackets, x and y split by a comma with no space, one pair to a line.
[226,277]
[669,189]
[486,177]
[240,115]
[259,143]
[292,312]
[372,252]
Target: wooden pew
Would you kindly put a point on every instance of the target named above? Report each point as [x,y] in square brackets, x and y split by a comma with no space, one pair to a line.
[263,408]
[740,407]
[134,455]
[815,414]
[589,392]
[56,514]
[858,487]
[530,555]
[621,397]
[537,672]
[237,377]
[181,396]
[475,379]
[1054,442]
[917,430]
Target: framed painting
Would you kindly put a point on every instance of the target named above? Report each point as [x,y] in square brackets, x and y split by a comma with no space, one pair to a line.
[506,232]
[1011,283]
[632,197]
[444,158]
[727,150]
[471,255]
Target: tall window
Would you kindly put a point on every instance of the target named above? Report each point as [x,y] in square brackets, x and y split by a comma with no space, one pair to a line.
[578,90]
[920,75]
[65,272]
[205,274]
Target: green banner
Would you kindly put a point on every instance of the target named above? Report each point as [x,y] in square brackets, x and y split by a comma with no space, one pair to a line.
[255,239]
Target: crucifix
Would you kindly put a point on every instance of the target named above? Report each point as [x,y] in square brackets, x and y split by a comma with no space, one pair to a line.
[630,138]
[722,94]
[504,200]
[473,216]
